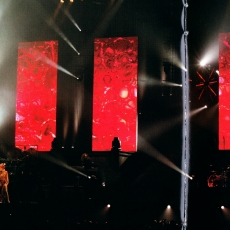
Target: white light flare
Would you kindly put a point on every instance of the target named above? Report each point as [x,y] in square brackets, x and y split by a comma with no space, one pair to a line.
[210,55]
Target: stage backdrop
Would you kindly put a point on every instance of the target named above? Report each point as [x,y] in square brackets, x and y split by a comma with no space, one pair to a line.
[115,93]
[36,95]
[224,91]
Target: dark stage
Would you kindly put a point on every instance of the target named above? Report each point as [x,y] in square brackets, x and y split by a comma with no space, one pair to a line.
[44,196]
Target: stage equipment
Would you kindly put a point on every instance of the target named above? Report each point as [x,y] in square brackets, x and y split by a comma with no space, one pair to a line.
[208,80]
[220,178]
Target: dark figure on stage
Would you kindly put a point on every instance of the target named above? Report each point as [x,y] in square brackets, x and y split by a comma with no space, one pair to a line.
[4,181]
[86,161]
[115,150]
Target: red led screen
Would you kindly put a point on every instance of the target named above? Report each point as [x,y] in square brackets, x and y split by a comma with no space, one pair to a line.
[224,91]
[36,95]
[115,93]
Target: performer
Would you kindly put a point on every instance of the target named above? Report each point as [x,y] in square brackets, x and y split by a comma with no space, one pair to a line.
[85,160]
[4,181]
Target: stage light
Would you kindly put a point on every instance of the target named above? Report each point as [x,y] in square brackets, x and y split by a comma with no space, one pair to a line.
[79,77]
[209,56]
[207,81]
[61,1]
[186,5]
[186,33]
[108,205]
[151,81]
[103,184]
[66,12]
[222,207]
[168,207]
[203,62]
[71,1]
[205,106]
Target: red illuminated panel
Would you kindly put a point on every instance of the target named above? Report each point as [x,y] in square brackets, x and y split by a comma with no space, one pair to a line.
[115,93]
[224,91]
[36,95]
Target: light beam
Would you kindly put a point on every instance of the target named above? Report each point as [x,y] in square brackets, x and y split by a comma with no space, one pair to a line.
[62,164]
[151,151]
[61,34]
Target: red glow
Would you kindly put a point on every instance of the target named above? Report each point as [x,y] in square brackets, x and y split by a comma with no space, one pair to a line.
[115,93]
[224,91]
[36,95]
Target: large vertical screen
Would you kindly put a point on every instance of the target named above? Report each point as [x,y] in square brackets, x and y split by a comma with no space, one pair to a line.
[36,95]
[224,91]
[115,93]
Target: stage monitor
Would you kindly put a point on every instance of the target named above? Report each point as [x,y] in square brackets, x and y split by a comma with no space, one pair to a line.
[35,125]
[115,93]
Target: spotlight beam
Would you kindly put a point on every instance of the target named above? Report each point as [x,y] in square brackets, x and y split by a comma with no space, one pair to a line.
[66,12]
[61,34]
[165,125]
[194,112]
[62,164]
[111,12]
[167,83]
[55,65]
[50,22]
[151,151]
[152,81]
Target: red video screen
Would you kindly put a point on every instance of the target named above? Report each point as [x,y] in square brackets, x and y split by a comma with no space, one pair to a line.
[115,93]
[36,97]
[224,91]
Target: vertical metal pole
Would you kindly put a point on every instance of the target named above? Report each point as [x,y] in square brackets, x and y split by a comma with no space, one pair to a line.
[186,122]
